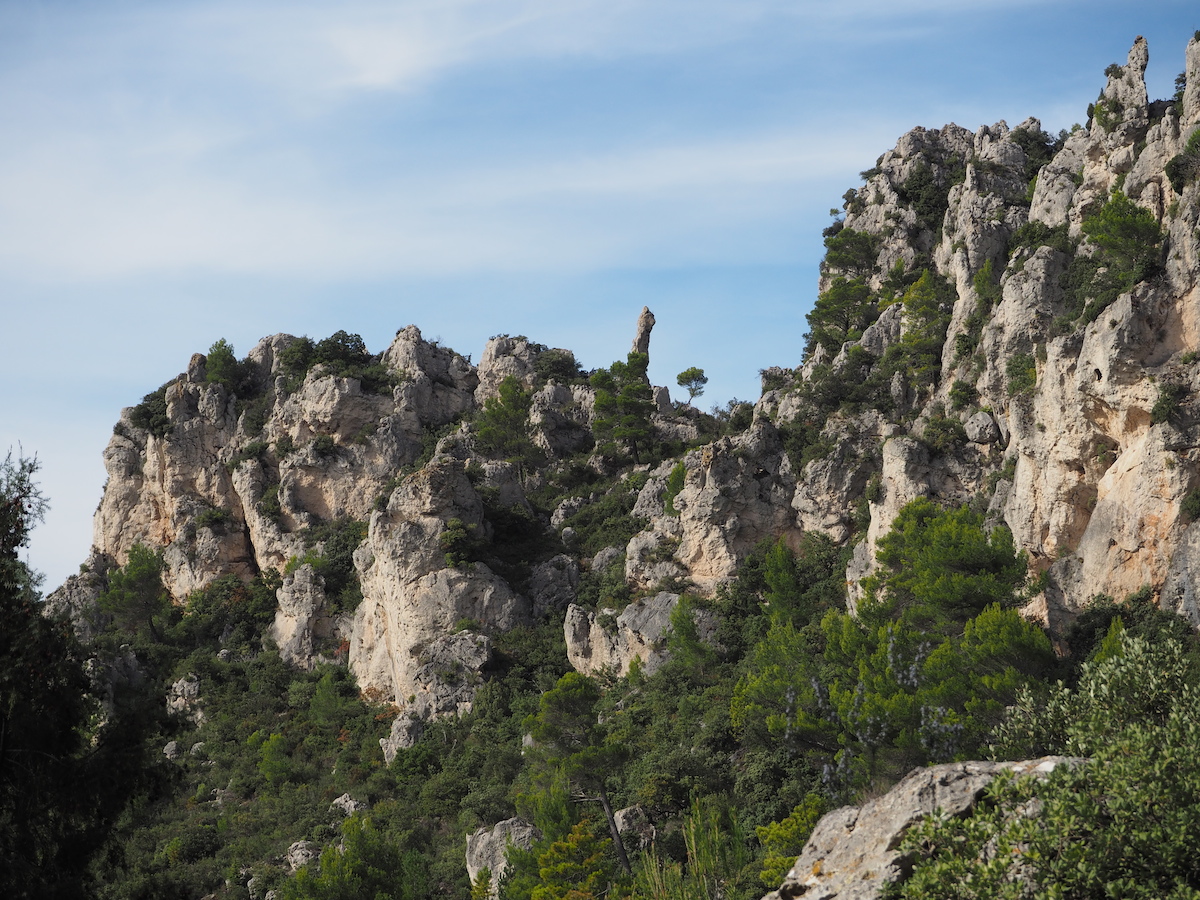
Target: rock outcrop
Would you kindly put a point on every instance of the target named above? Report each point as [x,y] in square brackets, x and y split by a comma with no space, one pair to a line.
[854,852]
[608,641]
[487,848]
[1019,381]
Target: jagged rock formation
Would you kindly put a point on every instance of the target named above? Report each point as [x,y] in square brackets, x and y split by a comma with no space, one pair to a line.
[608,641]
[854,852]
[1013,383]
[487,848]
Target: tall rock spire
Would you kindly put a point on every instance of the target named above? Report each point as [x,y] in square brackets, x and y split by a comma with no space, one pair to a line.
[641,343]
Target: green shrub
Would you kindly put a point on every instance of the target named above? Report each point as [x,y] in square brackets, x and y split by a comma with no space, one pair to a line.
[151,414]
[962,394]
[1136,714]
[324,446]
[458,543]
[1184,168]
[214,518]
[253,450]
[1166,407]
[943,435]
[269,504]
[1127,239]
[852,252]
[221,366]
[674,486]
[1190,507]
[559,366]
[1021,370]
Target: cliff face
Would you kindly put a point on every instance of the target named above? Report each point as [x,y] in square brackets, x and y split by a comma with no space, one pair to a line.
[1021,375]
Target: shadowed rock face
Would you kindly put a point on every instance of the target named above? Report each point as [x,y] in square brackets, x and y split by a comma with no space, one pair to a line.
[853,853]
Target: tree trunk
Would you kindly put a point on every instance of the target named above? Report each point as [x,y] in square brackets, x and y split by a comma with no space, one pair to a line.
[612,829]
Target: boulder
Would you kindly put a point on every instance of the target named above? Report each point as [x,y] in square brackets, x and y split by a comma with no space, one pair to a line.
[488,848]
[853,853]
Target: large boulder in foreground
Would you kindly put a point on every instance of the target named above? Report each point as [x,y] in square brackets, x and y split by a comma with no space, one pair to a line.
[854,852]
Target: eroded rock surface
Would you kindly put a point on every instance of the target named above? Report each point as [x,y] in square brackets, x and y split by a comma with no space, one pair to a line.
[853,853]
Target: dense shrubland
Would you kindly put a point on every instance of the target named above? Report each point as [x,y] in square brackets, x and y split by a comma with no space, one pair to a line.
[733,748]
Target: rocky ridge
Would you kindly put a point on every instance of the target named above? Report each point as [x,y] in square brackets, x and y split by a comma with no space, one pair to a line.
[1066,448]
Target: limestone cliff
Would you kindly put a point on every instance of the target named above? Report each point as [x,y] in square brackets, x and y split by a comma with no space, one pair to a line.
[997,359]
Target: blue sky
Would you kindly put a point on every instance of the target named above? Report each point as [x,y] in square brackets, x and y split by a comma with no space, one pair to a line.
[174,173]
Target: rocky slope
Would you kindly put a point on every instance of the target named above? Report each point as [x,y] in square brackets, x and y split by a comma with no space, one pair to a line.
[1022,386]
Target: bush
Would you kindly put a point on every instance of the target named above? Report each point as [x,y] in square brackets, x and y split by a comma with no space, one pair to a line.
[324,446]
[962,395]
[1021,370]
[943,435]
[214,518]
[1190,507]
[1116,825]
[558,366]
[1166,407]
[151,414]
[674,486]
[1183,169]
[1127,238]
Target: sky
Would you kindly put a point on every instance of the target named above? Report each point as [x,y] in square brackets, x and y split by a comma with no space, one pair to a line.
[175,173]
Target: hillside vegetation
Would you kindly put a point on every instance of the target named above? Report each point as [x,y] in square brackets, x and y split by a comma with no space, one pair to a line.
[349,611]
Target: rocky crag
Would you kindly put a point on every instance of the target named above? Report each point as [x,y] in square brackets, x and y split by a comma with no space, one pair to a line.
[981,338]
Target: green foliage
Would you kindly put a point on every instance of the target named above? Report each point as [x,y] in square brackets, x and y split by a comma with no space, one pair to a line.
[136,597]
[943,565]
[1106,112]
[962,394]
[458,543]
[928,193]
[1039,148]
[716,858]
[214,518]
[367,865]
[1190,506]
[784,840]
[852,253]
[59,787]
[840,314]
[623,406]
[1184,168]
[693,381]
[559,366]
[1021,371]
[269,504]
[1128,237]
[151,414]
[575,868]
[221,366]
[343,355]
[502,427]
[943,434]
[572,739]
[1035,234]
[1167,407]
[1117,825]
[335,562]
[674,485]
[324,446]
[927,306]
[607,522]
[923,672]
[987,293]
